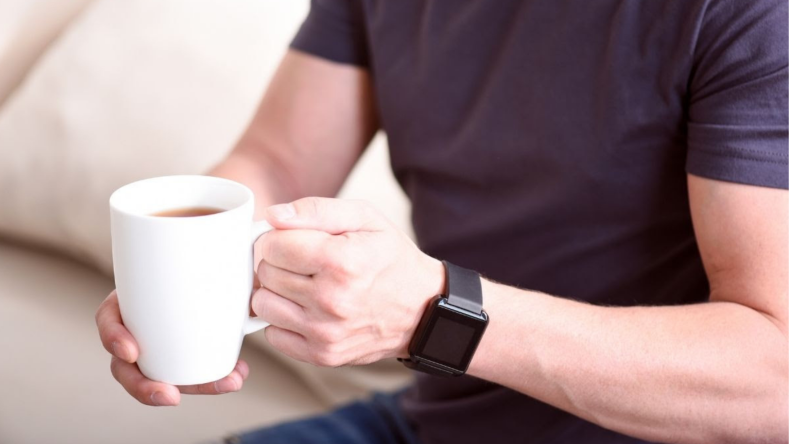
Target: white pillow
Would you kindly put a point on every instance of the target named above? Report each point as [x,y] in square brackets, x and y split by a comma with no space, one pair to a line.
[27,27]
[131,90]
[141,89]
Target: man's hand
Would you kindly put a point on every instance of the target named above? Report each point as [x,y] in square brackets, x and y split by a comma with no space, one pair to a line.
[340,284]
[123,348]
[312,125]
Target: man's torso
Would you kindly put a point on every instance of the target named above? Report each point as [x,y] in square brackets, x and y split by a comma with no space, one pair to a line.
[543,144]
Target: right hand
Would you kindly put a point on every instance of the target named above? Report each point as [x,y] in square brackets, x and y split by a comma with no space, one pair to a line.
[124,350]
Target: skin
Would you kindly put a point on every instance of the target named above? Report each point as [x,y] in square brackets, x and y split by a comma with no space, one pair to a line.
[711,372]
[314,113]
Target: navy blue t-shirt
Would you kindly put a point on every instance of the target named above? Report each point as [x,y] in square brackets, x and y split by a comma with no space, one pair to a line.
[545,144]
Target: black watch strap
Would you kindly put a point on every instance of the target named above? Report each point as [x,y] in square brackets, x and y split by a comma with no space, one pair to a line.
[463,292]
[425,367]
[464,288]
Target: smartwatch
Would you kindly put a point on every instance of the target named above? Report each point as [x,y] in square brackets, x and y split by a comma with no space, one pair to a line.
[451,328]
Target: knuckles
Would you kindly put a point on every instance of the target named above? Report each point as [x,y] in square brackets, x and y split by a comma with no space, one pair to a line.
[326,360]
[103,307]
[328,301]
[312,205]
[258,302]
[340,303]
[325,357]
[347,270]
[344,264]
[328,334]
[339,258]
[114,363]
[326,344]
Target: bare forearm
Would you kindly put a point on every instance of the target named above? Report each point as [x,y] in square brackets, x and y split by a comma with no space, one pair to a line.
[714,372]
[269,183]
[310,128]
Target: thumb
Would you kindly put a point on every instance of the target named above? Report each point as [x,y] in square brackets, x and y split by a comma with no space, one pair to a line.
[333,216]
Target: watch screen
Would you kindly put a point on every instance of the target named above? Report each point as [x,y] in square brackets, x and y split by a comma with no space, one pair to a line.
[448,341]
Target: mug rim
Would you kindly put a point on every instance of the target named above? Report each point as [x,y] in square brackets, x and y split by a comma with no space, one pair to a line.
[117,195]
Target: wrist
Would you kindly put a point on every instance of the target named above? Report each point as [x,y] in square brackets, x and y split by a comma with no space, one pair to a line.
[491,293]
[451,326]
[432,282]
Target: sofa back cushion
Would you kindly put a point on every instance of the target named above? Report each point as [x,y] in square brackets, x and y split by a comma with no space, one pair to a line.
[27,27]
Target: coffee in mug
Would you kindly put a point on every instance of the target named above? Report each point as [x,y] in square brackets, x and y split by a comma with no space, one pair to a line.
[188,212]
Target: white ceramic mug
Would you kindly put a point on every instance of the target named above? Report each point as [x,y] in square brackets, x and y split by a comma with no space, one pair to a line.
[184,283]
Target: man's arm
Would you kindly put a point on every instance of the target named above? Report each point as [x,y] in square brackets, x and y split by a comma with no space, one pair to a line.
[712,372]
[311,126]
[705,373]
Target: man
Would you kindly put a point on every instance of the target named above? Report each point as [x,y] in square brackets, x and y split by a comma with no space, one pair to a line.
[616,170]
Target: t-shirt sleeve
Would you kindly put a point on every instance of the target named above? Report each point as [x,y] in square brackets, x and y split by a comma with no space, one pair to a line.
[334,30]
[737,117]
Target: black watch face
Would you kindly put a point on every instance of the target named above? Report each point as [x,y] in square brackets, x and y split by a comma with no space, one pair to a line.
[451,336]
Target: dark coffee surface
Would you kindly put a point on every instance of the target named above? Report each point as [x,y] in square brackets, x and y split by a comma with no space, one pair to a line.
[188,212]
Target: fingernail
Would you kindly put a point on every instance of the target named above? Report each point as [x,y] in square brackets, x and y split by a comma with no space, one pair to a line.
[282,211]
[160,399]
[120,351]
[226,385]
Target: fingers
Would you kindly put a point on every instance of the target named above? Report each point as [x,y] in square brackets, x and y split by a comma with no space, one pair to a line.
[155,393]
[289,343]
[230,383]
[141,388]
[243,369]
[278,311]
[298,251]
[334,216]
[114,336]
[285,283]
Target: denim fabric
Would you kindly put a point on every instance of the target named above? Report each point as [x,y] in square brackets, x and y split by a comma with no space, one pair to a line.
[373,421]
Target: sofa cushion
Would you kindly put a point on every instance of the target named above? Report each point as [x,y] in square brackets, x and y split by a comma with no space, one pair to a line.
[27,27]
[131,90]
[141,89]
[58,384]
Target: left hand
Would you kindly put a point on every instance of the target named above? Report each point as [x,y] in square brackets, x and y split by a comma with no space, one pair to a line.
[340,284]
[120,343]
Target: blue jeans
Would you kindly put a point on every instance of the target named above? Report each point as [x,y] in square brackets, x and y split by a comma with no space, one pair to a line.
[374,421]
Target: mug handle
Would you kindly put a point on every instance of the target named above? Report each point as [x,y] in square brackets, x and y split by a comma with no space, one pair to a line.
[253,323]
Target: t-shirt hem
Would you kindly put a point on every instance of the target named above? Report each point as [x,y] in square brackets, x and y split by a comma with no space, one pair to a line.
[739,167]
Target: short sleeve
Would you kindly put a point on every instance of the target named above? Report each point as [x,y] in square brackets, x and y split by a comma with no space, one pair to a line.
[738,110]
[334,30]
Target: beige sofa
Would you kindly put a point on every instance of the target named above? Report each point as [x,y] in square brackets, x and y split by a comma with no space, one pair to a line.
[95,94]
